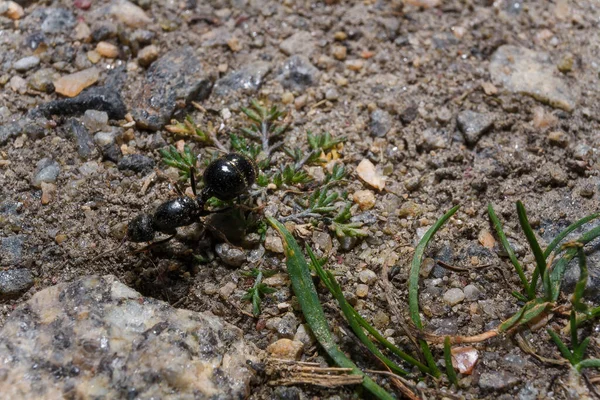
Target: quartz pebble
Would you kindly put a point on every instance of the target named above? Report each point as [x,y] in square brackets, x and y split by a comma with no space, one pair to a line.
[47,171]
[230,255]
[95,120]
[107,50]
[362,290]
[367,276]
[454,296]
[12,10]
[71,85]
[286,348]
[367,172]
[130,14]
[26,63]
[148,55]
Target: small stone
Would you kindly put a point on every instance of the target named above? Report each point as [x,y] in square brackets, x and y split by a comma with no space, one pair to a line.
[130,14]
[107,50]
[104,138]
[423,3]
[230,255]
[300,101]
[332,94]
[136,163]
[111,152]
[339,52]
[473,125]
[234,44]
[48,192]
[367,172]
[304,335]
[367,276]
[287,98]
[497,381]
[277,280]
[43,79]
[489,88]
[300,42]
[89,168]
[472,293]
[409,209]
[381,320]
[362,290]
[340,36]
[543,119]
[454,296]
[247,79]
[18,84]
[57,20]
[558,138]
[26,63]
[83,139]
[464,359]
[365,199]
[412,183]
[14,282]
[286,349]
[273,243]
[354,65]
[322,241]
[286,326]
[587,190]
[565,64]
[83,4]
[226,291]
[381,123]
[11,249]
[95,121]
[83,32]
[61,237]
[148,55]
[47,171]
[297,73]
[486,239]
[443,115]
[71,85]
[13,10]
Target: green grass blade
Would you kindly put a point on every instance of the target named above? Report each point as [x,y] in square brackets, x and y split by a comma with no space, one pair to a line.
[527,313]
[583,277]
[566,353]
[448,358]
[509,250]
[568,230]
[305,291]
[519,296]
[506,325]
[435,371]
[589,363]
[540,260]
[413,285]
[573,326]
[579,351]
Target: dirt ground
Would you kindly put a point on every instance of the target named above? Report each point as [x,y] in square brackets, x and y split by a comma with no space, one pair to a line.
[423,67]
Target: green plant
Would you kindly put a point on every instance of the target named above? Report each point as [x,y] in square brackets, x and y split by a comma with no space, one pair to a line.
[258,289]
[182,161]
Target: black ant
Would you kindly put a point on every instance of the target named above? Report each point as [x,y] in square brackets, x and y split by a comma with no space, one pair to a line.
[225,178]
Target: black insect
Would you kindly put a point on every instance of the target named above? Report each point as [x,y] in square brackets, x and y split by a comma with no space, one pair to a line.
[225,178]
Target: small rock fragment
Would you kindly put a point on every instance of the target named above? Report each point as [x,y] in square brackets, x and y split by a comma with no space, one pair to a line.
[230,255]
[472,293]
[286,349]
[13,10]
[47,170]
[11,249]
[354,65]
[297,73]
[14,282]
[130,14]
[486,239]
[300,42]
[558,138]
[136,163]
[367,172]
[18,84]
[83,139]
[362,290]
[107,50]
[304,335]
[71,85]
[148,55]
[48,192]
[95,121]
[367,276]
[381,123]
[497,380]
[273,243]
[247,79]
[464,359]
[473,125]
[339,52]
[365,199]
[43,79]
[26,63]
[57,20]
[454,296]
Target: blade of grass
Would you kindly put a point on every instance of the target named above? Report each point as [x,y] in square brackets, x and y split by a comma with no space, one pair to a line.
[573,324]
[305,290]
[589,363]
[509,250]
[527,313]
[448,358]
[540,260]
[579,351]
[568,230]
[566,353]
[583,277]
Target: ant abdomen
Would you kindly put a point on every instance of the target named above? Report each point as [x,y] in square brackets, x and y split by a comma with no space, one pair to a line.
[172,214]
[141,228]
[229,176]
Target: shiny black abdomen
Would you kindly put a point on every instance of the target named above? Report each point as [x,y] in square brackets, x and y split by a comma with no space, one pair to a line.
[141,228]
[181,211]
[230,176]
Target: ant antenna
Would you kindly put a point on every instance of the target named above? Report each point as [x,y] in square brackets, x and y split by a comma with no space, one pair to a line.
[110,250]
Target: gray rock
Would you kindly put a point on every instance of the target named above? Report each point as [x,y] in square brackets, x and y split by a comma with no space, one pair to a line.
[15,282]
[83,139]
[176,76]
[230,255]
[300,42]
[247,79]
[381,123]
[297,73]
[287,325]
[136,163]
[33,128]
[521,70]
[497,381]
[26,63]
[473,125]
[454,296]
[528,392]
[112,330]
[47,170]
[11,249]
[43,79]
[111,152]
[104,138]
[472,293]
[57,20]
[95,120]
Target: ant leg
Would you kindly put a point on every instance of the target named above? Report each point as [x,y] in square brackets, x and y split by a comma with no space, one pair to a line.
[178,190]
[193,180]
[153,244]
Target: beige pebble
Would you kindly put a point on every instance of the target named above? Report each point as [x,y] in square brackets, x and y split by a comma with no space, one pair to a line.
[83,32]
[464,359]
[61,237]
[234,44]
[273,243]
[130,14]
[339,35]
[287,98]
[367,172]
[13,10]
[48,192]
[71,85]
[486,239]
[107,50]
[300,101]
[489,88]
[18,84]
[365,199]
[558,138]
[423,3]
[362,290]
[286,348]
[148,55]
[354,65]
[339,52]
[93,56]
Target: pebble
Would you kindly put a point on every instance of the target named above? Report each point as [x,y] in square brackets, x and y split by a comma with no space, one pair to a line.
[332,94]
[454,296]
[226,291]
[367,276]
[286,326]
[246,80]
[381,320]
[304,335]
[12,10]
[71,85]
[286,349]
[48,192]
[381,123]
[104,138]
[111,152]
[497,380]
[297,73]
[83,140]
[354,65]
[136,163]
[473,125]
[322,241]
[558,138]
[89,168]
[532,73]
[11,249]
[43,80]
[486,239]
[130,14]
[15,282]
[95,121]
[472,293]
[365,199]
[368,173]
[339,52]
[18,84]
[47,170]
[230,255]
[362,290]
[273,243]
[83,33]
[57,20]
[75,326]
[107,50]
[26,63]
[148,55]
[300,42]
[464,359]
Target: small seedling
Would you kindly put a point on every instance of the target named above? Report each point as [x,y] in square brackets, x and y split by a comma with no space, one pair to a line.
[258,289]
